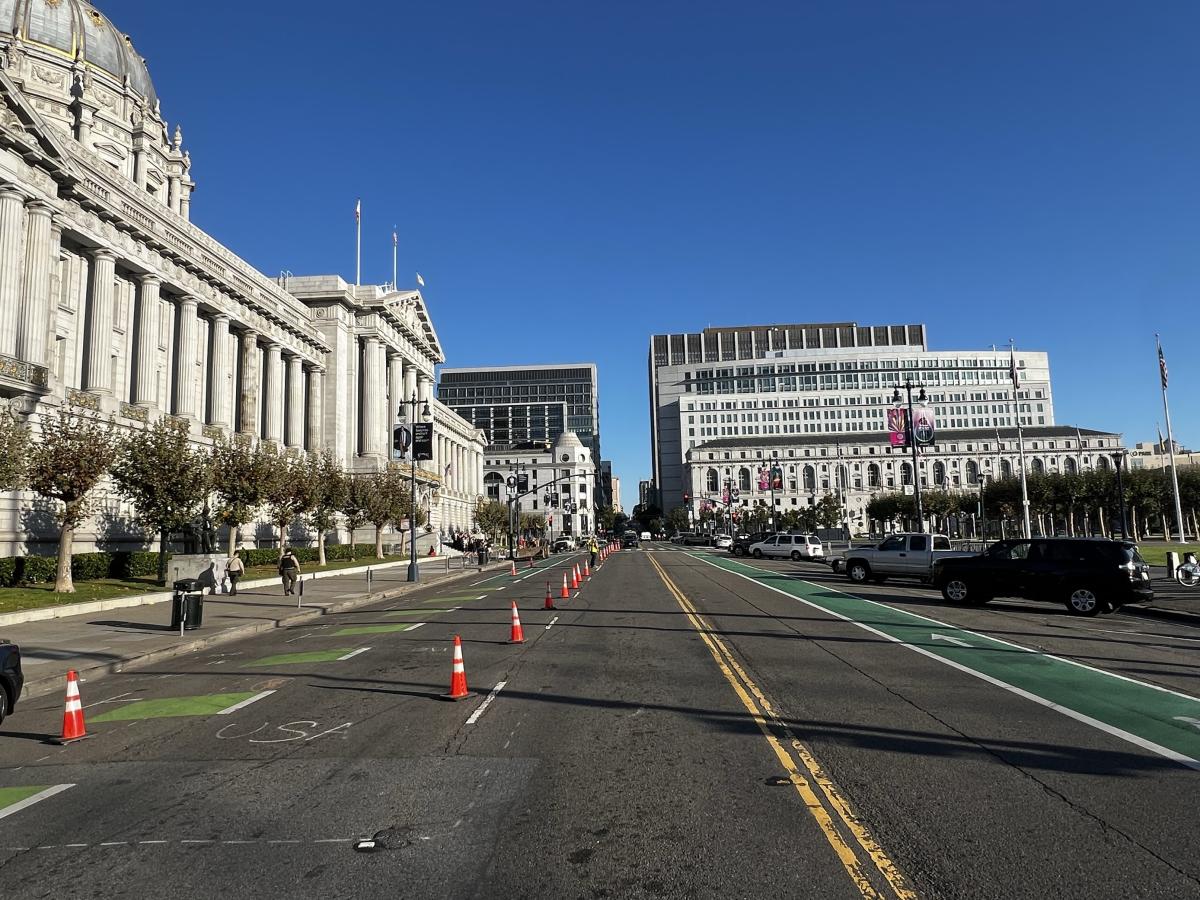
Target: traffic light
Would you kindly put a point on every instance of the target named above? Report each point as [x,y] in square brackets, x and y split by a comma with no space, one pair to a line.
[687,498]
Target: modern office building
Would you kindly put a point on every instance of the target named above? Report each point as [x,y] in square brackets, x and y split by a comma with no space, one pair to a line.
[517,404]
[816,386]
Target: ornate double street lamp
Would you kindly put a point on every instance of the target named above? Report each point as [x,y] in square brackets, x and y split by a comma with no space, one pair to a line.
[773,466]
[1118,459]
[911,437]
[415,442]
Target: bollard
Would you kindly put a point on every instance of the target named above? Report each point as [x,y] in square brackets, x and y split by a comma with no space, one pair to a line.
[1172,563]
[447,563]
[300,593]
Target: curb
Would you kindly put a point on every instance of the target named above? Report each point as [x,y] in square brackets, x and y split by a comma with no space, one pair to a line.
[46,684]
[1159,612]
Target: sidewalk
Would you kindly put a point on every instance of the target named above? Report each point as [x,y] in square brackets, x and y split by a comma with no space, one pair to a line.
[113,640]
[1172,600]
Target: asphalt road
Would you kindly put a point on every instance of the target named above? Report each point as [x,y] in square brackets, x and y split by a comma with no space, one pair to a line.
[684,726]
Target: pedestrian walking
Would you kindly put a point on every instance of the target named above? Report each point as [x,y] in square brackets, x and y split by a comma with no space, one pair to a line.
[593,549]
[234,570]
[289,571]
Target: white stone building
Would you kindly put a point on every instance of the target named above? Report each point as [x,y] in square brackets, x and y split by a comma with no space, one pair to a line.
[110,299]
[560,471]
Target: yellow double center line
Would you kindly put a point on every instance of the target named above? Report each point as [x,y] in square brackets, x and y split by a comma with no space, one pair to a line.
[833,814]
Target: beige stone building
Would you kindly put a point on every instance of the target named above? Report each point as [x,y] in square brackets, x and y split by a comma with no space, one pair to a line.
[112,300]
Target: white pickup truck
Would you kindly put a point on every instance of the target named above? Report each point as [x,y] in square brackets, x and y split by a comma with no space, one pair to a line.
[897,556]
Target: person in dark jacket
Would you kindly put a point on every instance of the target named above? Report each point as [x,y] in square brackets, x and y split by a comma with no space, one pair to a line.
[289,571]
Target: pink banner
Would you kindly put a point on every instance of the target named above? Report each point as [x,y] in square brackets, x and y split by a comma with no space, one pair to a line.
[897,426]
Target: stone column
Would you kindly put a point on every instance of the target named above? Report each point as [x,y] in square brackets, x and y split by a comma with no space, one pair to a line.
[185,358]
[12,225]
[185,201]
[372,386]
[145,386]
[219,367]
[295,402]
[273,393]
[395,371]
[424,382]
[32,324]
[173,193]
[410,381]
[248,389]
[316,409]
[98,374]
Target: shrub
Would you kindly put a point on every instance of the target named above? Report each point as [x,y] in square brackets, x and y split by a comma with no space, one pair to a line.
[136,564]
[8,572]
[35,569]
[90,566]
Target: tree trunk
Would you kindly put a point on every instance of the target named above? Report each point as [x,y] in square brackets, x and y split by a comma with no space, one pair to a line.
[62,580]
[379,542]
[321,546]
[162,556]
[282,540]
[233,533]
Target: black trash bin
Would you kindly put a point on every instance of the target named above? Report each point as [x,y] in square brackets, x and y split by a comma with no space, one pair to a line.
[483,556]
[189,596]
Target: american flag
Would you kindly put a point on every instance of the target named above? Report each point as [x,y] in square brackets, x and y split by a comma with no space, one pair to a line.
[1162,367]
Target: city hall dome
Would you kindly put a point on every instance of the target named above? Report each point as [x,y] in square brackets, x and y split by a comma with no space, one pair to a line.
[76,31]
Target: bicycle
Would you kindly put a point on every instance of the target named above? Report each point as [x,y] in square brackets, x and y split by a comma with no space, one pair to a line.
[1187,573]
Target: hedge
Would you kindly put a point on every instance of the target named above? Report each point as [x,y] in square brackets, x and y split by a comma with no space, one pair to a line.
[19,570]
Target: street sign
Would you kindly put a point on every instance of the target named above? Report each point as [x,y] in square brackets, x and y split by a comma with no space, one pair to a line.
[422,441]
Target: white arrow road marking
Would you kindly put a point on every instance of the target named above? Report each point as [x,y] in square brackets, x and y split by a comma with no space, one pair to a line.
[1195,723]
[552,621]
[948,639]
[486,703]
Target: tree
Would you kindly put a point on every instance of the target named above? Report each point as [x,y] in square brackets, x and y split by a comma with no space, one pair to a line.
[285,491]
[14,451]
[491,517]
[65,466]
[605,516]
[240,476]
[165,477]
[325,486]
[533,524]
[677,520]
[356,493]
[829,512]
[620,523]
[380,505]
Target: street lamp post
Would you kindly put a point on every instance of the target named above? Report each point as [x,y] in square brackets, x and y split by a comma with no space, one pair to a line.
[982,509]
[772,465]
[414,570]
[912,441]
[1118,459]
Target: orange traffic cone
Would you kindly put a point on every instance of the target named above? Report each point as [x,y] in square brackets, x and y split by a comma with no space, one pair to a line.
[587,569]
[514,568]
[566,593]
[549,599]
[575,577]
[518,636]
[458,675]
[73,728]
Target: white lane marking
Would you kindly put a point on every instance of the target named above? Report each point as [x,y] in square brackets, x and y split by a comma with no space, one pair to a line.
[245,703]
[414,627]
[353,653]
[481,597]
[486,703]
[1149,634]
[198,842]
[152,842]
[948,639]
[552,621]
[1195,723]
[113,844]
[36,798]
[1041,701]
[75,845]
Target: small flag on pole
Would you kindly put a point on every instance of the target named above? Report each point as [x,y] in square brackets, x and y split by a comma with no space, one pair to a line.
[1161,443]
[395,238]
[1012,368]
[1162,367]
[358,211]
[420,280]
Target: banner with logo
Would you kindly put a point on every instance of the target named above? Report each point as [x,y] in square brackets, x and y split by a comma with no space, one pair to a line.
[923,425]
[763,478]
[777,478]
[897,418]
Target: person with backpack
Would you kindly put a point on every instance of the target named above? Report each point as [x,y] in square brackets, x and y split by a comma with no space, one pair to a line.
[289,571]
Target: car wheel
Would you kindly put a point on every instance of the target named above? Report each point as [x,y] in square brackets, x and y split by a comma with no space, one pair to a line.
[738,551]
[3,704]
[962,593]
[757,554]
[858,572]
[795,556]
[1084,601]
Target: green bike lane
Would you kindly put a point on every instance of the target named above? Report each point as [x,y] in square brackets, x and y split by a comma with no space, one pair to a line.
[1163,721]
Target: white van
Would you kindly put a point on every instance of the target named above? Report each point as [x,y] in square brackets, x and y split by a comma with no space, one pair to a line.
[644,536]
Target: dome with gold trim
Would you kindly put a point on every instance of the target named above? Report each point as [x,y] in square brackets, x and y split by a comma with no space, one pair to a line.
[77,32]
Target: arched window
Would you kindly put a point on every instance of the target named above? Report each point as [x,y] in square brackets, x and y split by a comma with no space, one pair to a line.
[810,479]
[939,472]
[492,482]
[1005,469]
[906,473]
[1037,466]
[743,479]
[1102,463]
[873,476]
[1069,466]
[711,481]
[972,472]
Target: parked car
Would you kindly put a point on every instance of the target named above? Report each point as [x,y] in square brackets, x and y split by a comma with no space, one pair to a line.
[1088,575]
[900,555]
[12,680]
[564,545]
[677,537]
[787,546]
[743,542]
[722,541]
[691,539]
[630,541]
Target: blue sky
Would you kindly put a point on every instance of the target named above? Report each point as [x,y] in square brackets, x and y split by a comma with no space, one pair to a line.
[571,178]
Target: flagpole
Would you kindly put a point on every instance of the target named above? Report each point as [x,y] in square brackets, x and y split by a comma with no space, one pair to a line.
[395,242]
[1162,371]
[1016,380]
[358,243]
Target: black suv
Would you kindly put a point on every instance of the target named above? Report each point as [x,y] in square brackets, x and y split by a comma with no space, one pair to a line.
[1089,575]
[741,543]
[11,679]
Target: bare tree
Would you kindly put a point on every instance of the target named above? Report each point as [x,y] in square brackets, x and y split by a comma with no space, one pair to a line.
[66,464]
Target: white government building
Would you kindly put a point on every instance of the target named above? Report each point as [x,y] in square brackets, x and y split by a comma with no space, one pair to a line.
[111,300]
[724,401]
[560,471]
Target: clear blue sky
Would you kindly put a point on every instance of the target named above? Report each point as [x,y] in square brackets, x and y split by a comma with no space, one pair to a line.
[571,178]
